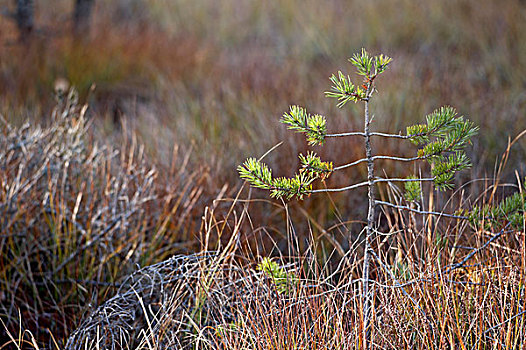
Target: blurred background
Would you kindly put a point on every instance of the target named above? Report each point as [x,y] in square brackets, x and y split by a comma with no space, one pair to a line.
[214,77]
[209,79]
[217,75]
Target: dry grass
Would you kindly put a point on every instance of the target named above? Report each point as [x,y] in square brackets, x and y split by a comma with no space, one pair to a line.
[221,301]
[431,291]
[75,215]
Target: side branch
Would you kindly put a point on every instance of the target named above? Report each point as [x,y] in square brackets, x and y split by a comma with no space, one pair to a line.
[350,164]
[396,136]
[423,212]
[404,180]
[357,133]
[401,159]
[475,251]
[365,183]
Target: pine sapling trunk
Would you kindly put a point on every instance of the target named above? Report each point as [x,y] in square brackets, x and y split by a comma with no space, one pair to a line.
[366,297]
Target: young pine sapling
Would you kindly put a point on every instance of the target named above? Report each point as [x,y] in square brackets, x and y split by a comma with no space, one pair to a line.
[441,140]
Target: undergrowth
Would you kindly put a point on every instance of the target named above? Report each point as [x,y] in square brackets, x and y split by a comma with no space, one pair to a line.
[73,240]
[90,199]
[76,216]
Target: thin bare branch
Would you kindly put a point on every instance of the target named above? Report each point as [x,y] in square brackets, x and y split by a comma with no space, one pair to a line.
[472,253]
[361,184]
[401,159]
[397,136]
[504,322]
[356,133]
[423,212]
[350,164]
[363,160]
[426,179]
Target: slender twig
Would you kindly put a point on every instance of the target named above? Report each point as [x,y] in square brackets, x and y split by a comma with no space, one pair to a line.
[361,184]
[397,136]
[346,134]
[423,212]
[503,322]
[400,159]
[378,180]
[350,164]
[472,253]
[365,183]
[405,137]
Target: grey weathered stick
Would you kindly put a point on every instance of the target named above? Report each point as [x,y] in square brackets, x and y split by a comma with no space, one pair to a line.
[475,251]
[504,322]
[396,136]
[359,161]
[361,184]
[423,212]
[346,134]
[366,297]
[426,179]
